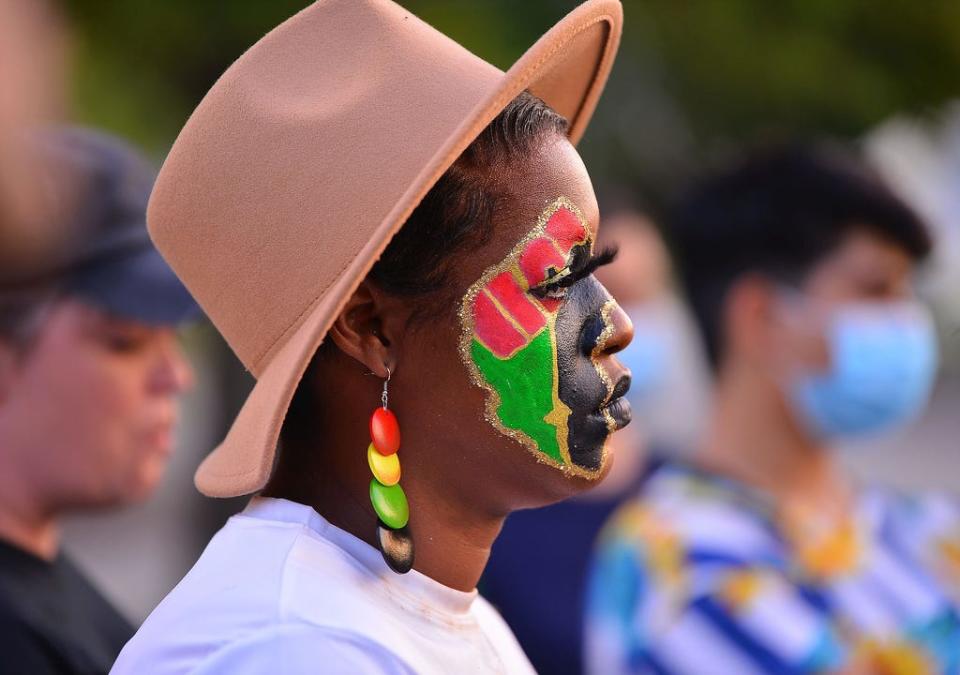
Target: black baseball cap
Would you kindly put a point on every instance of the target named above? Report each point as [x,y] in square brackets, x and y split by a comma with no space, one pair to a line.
[101,186]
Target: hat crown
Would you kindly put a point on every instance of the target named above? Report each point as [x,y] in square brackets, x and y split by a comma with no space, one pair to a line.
[298,153]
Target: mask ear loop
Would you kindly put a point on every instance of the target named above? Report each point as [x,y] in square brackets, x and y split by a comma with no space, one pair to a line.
[388,498]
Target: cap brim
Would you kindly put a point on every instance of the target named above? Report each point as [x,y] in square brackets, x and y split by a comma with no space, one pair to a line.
[137,285]
[567,68]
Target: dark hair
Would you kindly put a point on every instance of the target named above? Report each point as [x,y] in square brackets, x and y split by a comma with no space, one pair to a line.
[778,213]
[455,215]
[458,212]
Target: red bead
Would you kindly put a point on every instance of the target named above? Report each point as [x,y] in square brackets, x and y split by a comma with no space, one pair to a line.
[384,431]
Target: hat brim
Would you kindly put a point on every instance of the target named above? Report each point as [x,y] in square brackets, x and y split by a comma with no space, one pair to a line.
[567,68]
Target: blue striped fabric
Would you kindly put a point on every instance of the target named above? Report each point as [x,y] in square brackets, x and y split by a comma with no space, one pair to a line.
[697,576]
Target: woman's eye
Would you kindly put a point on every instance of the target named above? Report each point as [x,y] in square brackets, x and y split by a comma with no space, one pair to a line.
[553,292]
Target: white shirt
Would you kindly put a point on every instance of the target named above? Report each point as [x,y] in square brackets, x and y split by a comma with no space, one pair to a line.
[281,590]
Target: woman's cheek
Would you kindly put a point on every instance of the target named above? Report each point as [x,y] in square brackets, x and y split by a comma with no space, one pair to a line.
[509,339]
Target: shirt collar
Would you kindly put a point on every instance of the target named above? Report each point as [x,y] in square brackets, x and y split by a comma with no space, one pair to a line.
[419,587]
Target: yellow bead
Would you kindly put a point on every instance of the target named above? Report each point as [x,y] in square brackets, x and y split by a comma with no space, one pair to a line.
[385,468]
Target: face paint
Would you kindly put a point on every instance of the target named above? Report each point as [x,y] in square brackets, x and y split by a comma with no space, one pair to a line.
[586,329]
[599,348]
[509,339]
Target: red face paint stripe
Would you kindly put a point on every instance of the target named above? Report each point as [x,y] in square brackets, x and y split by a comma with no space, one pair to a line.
[514,300]
[539,256]
[493,329]
[566,229]
[550,304]
[505,316]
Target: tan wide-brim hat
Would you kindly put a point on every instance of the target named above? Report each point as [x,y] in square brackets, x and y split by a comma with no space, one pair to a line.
[304,159]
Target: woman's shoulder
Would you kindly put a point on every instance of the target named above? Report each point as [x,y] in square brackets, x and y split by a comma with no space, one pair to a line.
[299,648]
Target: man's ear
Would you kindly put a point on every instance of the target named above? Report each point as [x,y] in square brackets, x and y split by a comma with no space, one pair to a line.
[359,330]
[749,318]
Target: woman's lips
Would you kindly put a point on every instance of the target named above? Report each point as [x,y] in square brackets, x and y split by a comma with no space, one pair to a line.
[618,406]
[619,409]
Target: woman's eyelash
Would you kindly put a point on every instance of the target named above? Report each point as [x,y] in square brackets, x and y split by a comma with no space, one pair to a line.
[582,271]
[556,286]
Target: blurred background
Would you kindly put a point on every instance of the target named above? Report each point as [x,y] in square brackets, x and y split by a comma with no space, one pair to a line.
[694,81]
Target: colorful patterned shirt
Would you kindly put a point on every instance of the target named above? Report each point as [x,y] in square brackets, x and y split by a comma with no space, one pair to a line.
[697,576]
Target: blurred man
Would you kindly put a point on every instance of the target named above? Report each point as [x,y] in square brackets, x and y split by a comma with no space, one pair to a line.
[90,371]
[537,569]
[761,556]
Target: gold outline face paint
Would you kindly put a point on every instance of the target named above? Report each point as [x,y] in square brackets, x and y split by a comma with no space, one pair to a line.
[599,349]
[509,337]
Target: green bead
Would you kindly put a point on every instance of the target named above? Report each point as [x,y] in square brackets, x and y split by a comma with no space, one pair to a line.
[390,503]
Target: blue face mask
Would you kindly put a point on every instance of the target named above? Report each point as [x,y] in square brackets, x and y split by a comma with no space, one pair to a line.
[647,354]
[883,364]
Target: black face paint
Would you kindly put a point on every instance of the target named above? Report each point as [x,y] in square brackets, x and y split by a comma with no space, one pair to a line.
[512,349]
[582,324]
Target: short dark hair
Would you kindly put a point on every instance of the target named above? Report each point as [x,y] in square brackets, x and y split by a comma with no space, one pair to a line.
[778,213]
[455,215]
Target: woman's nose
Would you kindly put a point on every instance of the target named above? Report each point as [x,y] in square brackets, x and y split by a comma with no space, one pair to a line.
[618,329]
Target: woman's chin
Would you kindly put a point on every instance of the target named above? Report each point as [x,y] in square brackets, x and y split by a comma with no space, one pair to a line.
[568,483]
[543,482]
[587,480]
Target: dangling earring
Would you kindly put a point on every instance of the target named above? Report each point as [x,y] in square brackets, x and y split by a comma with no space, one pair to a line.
[386,495]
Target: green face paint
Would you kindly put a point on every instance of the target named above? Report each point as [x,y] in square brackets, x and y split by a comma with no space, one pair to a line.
[524,383]
[509,340]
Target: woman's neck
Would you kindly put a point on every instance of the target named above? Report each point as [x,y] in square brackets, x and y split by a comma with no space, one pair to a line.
[754,438]
[452,542]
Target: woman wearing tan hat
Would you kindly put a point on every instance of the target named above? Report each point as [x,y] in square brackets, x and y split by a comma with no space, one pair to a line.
[422,382]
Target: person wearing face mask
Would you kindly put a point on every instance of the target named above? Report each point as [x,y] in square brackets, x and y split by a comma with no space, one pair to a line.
[541,550]
[759,555]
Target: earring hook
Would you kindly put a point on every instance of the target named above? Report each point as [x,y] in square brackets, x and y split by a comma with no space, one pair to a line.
[384,396]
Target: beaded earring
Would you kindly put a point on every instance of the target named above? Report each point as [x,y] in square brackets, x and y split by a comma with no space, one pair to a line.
[386,495]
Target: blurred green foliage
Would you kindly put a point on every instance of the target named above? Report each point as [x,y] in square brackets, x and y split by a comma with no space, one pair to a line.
[693,76]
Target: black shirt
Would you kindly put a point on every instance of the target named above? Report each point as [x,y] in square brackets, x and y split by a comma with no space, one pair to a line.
[52,620]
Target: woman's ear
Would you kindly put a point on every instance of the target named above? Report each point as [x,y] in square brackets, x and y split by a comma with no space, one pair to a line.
[358,331]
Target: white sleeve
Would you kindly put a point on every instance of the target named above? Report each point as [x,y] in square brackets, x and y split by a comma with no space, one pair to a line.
[297,649]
